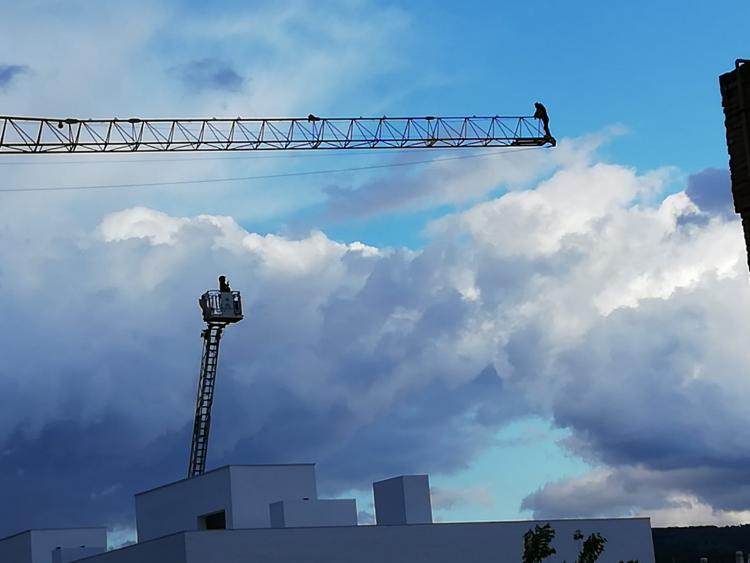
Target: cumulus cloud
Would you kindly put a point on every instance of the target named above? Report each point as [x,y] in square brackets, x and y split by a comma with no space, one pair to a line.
[139,222]
[572,300]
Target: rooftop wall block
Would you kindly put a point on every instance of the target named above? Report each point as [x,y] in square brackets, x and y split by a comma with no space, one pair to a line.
[255,487]
[403,500]
[177,507]
[242,492]
[312,513]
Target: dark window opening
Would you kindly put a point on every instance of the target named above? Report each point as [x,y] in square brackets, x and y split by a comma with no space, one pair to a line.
[214,521]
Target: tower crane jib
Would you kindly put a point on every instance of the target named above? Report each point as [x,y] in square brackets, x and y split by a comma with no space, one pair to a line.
[47,135]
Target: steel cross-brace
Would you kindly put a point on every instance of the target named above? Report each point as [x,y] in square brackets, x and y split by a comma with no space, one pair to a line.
[34,135]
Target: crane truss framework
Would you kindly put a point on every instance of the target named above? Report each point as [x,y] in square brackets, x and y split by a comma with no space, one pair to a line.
[206,383]
[21,135]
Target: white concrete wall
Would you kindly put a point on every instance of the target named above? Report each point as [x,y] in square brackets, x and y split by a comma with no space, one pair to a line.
[312,513]
[170,549]
[255,487]
[482,542]
[488,542]
[403,500]
[417,498]
[37,546]
[44,542]
[16,548]
[176,507]
[244,492]
[69,554]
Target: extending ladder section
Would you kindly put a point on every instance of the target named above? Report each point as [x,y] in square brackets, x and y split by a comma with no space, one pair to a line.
[207,381]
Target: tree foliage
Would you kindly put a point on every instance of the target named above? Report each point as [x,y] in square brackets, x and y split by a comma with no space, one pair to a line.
[592,548]
[536,544]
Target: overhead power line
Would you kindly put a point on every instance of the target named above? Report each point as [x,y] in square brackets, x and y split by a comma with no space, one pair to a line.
[62,159]
[260,176]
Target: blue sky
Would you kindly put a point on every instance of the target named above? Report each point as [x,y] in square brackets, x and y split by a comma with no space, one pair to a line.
[649,71]
[531,328]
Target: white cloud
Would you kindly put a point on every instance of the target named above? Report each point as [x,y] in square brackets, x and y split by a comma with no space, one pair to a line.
[574,201]
[687,510]
[139,222]
[623,325]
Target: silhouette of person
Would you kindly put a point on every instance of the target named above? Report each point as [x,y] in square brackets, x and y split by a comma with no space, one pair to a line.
[312,118]
[541,113]
[224,284]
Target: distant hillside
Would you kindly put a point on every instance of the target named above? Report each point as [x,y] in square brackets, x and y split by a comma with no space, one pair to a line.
[688,545]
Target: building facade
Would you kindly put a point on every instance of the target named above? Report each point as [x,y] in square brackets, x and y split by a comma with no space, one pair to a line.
[272,514]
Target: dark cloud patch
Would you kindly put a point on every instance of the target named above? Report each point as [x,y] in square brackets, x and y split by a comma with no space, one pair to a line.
[711,191]
[74,474]
[647,399]
[632,489]
[9,73]
[210,74]
[432,428]
[624,423]
[436,428]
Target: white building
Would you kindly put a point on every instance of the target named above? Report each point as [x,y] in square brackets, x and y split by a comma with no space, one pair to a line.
[53,546]
[272,514]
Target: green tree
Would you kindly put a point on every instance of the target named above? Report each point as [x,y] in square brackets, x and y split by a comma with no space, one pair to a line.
[536,544]
[592,547]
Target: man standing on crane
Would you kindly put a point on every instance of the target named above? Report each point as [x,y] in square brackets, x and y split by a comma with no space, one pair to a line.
[541,113]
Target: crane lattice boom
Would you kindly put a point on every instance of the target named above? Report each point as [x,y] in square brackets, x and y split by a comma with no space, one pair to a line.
[21,135]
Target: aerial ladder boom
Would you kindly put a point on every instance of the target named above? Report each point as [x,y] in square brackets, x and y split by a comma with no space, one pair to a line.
[220,308]
[35,135]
